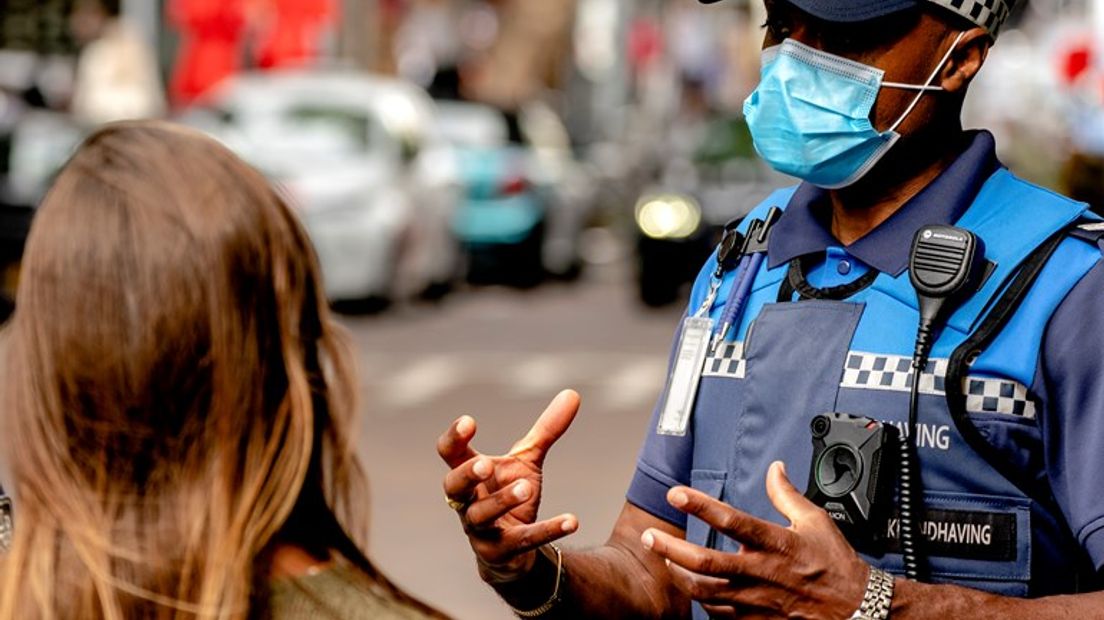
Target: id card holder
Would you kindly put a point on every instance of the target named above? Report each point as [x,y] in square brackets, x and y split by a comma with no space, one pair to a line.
[682,385]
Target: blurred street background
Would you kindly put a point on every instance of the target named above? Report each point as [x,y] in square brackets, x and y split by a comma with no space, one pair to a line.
[508,197]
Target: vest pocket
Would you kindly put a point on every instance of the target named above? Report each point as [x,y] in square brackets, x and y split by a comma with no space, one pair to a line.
[710,482]
[977,541]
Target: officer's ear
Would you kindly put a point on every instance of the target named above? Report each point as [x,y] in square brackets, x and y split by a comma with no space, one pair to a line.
[966,60]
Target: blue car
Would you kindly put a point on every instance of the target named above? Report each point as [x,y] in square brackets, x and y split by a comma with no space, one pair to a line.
[502,217]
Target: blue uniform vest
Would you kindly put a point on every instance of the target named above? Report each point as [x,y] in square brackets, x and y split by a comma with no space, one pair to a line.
[793,360]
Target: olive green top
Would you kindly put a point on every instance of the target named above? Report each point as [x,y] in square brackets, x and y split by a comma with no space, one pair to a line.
[337,593]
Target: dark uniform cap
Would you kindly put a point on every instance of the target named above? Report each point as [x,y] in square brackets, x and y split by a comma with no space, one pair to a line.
[989,14]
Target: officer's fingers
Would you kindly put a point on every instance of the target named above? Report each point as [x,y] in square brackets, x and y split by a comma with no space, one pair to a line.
[549,427]
[712,591]
[484,512]
[525,538]
[694,558]
[454,445]
[722,611]
[733,598]
[786,498]
[461,482]
[735,524]
[736,611]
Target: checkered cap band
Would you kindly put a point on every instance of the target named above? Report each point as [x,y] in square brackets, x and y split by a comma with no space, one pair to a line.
[989,14]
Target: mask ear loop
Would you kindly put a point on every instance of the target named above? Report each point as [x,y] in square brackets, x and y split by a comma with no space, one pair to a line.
[927,85]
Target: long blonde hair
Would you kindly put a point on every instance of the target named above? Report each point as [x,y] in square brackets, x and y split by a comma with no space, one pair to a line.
[174,388]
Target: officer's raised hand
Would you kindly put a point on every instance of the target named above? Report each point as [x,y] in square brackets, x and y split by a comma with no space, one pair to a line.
[807,570]
[498,497]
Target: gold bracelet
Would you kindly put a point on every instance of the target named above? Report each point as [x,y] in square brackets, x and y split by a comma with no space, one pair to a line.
[555,598]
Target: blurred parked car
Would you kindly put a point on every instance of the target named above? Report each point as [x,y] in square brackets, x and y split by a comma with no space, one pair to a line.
[346,147]
[678,221]
[527,199]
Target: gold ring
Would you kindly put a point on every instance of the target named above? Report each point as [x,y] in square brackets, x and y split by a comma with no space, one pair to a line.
[455,505]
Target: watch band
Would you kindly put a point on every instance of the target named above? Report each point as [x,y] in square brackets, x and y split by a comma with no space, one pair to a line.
[878,597]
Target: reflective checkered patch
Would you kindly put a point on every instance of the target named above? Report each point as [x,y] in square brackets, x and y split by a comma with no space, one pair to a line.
[993,396]
[726,361]
[989,14]
[869,371]
[891,372]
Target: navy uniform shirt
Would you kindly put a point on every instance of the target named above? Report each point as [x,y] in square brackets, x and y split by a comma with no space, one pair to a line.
[1066,444]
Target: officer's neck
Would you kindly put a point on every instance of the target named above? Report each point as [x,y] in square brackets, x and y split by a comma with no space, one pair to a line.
[907,169]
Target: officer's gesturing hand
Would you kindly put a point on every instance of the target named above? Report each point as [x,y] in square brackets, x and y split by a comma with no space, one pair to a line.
[807,570]
[498,497]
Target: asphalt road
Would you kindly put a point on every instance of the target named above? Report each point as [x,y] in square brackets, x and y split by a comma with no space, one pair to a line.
[500,355]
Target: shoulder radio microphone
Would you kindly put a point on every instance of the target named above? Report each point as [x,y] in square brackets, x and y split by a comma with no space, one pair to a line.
[946,264]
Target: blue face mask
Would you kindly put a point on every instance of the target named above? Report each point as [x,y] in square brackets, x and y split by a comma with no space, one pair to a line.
[810,115]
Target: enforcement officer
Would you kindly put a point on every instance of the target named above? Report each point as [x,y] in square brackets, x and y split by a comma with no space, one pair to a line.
[860,99]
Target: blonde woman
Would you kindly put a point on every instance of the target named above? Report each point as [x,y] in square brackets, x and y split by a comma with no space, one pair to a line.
[178,406]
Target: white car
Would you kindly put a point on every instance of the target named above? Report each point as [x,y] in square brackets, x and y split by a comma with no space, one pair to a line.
[346,147]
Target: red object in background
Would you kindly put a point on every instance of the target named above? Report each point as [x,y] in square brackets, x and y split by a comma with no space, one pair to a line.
[1075,61]
[514,186]
[645,43]
[295,32]
[212,33]
[392,9]
[1080,66]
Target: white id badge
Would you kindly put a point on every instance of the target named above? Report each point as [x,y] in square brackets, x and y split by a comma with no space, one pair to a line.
[682,387]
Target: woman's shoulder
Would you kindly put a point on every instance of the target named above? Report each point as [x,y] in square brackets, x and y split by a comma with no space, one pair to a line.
[337,592]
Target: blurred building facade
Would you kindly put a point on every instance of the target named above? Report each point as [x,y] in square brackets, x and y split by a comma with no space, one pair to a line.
[613,67]
[502,51]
